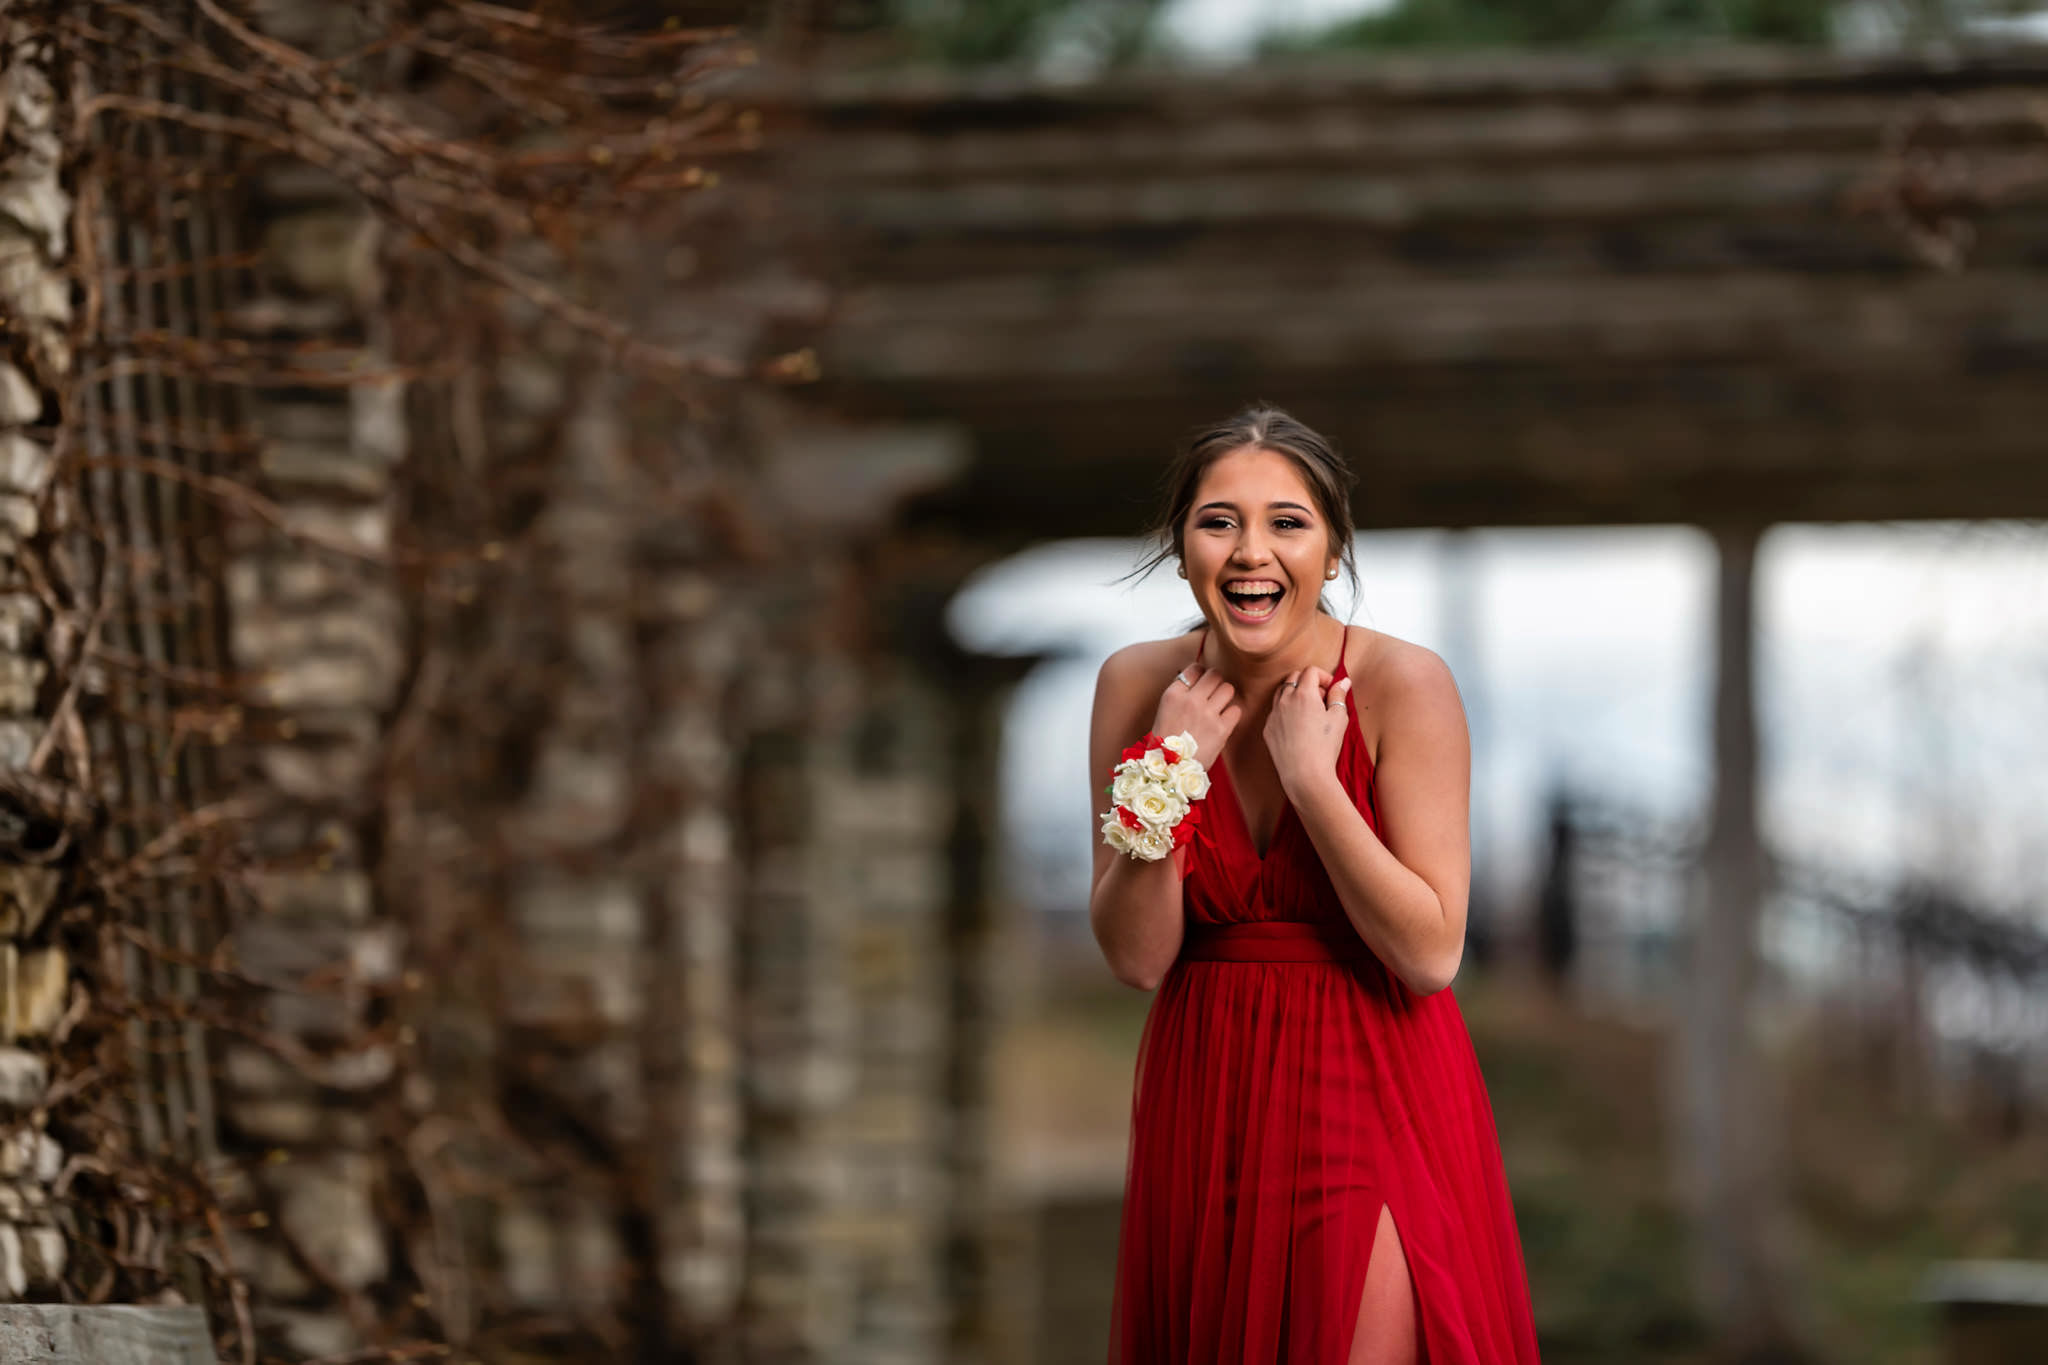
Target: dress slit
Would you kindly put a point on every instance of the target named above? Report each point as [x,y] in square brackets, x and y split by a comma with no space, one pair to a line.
[1372,1251]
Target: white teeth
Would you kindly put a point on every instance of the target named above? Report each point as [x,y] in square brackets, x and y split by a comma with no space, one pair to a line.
[1251,587]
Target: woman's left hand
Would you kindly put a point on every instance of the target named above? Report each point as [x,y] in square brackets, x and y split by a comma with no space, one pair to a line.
[1305,728]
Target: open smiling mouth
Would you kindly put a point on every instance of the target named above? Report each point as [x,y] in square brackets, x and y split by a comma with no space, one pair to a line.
[1253,600]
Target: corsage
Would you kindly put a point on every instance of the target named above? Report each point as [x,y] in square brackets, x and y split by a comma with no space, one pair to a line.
[1153,791]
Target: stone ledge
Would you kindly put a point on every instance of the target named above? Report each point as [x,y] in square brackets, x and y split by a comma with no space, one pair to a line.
[62,1334]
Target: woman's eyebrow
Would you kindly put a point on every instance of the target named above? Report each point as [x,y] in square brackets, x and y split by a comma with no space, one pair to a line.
[1232,507]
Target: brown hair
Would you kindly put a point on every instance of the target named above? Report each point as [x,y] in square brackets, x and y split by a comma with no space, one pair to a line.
[1328,476]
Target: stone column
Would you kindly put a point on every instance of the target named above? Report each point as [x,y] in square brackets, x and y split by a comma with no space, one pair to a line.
[35,366]
[319,633]
[1728,1128]
[693,655]
[847,822]
[576,977]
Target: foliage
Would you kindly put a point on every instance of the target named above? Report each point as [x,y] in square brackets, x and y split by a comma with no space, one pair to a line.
[1516,23]
[986,33]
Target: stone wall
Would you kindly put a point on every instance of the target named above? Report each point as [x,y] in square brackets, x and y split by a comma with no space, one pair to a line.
[573,964]
[35,365]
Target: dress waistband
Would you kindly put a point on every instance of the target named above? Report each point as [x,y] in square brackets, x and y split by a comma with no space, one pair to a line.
[1272,941]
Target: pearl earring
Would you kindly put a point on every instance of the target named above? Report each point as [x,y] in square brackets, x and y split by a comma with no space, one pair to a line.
[1332,574]
[1181,569]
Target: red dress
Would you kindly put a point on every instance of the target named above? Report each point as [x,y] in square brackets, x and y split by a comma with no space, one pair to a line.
[1288,1085]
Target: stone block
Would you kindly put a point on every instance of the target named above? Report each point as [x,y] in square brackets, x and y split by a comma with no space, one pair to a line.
[33,989]
[286,1122]
[23,1078]
[340,895]
[326,680]
[332,772]
[30,98]
[20,680]
[13,1265]
[285,184]
[269,1268]
[20,401]
[363,629]
[322,252]
[24,464]
[22,1202]
[30,289]
[325,1208]
[38,203]
[25,896]
[280,951]
[526,1251]
[309,1334]
[18,517]
[577,990]
[311,1018]
[377,424]
[30,1153]
[256,1071]
[276,316]
[21,621]
[553,909]
[362,530]
[291,465]
[43,1255]
[18,740]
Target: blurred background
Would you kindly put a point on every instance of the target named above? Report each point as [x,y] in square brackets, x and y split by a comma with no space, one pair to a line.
[1680,349]
[558,556]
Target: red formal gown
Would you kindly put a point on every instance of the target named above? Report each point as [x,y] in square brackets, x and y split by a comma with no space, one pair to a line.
[1289,1086]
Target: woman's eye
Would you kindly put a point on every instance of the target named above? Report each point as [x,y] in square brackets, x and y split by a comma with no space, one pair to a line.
[1287,523]
[1214,522]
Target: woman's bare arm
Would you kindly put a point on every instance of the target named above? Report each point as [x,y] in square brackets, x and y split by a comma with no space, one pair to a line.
[1133,906]
[1405,889]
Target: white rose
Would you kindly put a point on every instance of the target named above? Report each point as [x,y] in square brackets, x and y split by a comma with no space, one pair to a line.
[1115,833]
[1190,779]
[1159,807]
[1129,782]
[1182,744]
[1155,764]
[1153,844]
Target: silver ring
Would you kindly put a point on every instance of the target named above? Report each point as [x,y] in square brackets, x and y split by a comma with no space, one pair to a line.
[1182,678]
[1293,684]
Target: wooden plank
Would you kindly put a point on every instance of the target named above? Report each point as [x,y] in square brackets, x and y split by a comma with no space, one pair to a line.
[64,1334]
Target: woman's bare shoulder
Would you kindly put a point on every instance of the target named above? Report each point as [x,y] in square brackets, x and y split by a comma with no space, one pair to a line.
[1396,665]
[1145,667]
[1396,676]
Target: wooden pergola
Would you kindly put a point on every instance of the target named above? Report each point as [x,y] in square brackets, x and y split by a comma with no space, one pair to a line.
[1566,292]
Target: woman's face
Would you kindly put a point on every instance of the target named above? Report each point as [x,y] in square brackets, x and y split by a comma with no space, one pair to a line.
[1256,549]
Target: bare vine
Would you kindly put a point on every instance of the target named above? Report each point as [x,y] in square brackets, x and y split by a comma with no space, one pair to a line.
[488,143]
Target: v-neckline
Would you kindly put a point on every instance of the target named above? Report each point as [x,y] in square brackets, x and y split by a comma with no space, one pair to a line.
[1222,764]
[1244,822]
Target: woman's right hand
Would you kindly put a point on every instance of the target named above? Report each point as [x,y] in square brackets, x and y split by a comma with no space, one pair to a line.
[1204,705]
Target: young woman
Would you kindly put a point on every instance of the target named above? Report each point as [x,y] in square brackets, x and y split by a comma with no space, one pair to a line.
[1314,1174]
